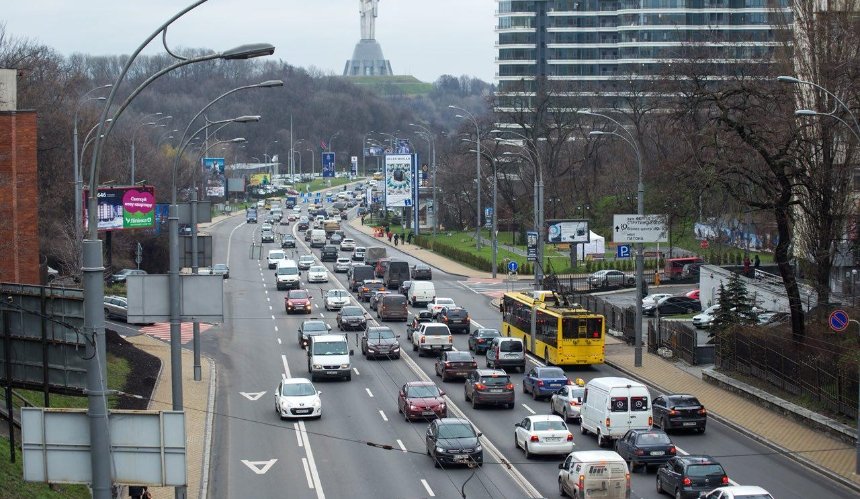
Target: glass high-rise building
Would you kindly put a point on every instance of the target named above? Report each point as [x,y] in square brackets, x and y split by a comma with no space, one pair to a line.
[595,51]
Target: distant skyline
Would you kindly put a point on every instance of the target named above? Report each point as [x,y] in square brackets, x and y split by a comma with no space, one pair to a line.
[424,38]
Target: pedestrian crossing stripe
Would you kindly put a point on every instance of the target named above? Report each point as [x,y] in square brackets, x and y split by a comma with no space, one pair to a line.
[161,331]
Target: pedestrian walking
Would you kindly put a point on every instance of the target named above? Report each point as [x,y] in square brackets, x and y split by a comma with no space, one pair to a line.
[389,236]
[747,265]
[756,262]
[362,220]
[396,238]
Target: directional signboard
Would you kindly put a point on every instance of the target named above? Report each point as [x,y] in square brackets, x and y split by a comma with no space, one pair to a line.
[328,164]
[640,229]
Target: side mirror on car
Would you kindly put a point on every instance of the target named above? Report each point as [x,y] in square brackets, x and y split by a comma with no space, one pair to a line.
[441,393]
[352,352]
[561,466]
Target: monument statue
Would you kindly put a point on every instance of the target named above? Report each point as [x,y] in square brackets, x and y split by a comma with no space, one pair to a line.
[367,58]
[369,12]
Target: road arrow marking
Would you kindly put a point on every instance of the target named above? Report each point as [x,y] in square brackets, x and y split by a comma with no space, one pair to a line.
[259,467]
[253,397]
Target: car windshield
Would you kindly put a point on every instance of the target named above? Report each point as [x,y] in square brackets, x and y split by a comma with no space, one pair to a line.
[380,334]
[314,326]
[351,311]
[551,372]
[703,470]
[495,380]
[422,391]
[287,271]
[652,439]
[459,356]
[298,390]
[298,295]
[337,293]
[444,301]
[306,258]
[549,425]
[456,430]
[330,348]
[276,255]
[488,333]
[318,268]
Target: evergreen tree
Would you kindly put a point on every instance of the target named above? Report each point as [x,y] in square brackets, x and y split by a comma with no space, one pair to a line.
[735,305]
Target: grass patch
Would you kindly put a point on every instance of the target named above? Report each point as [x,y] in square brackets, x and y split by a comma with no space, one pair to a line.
[14,486]
[118,370]
[321,184]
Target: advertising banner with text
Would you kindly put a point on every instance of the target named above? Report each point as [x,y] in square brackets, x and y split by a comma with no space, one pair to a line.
[123,208]
[398,180]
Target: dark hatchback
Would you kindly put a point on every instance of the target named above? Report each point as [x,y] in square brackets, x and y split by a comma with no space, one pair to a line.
[686,477]
[645,448]
[489,386]
[679,411]
[379,342]
[480,339]
[456,318]
[368,287]
[672,305]
[351,318]
[455,364]
[329,253]
[452,441]
[421,271]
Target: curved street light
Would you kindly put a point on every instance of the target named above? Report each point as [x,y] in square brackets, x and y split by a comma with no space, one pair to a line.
[144,122]
[76,160]
[471,117]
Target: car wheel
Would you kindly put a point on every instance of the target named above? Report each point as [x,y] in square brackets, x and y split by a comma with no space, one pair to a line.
[678,494]
[561,491]
[564,415]
[546,356]
[601,440]
[702,430]
[489,366]
[582,429]
[659,485]
[534,394]
[474,403]
[664,425]
[527,452]
[466,395]
[524,387]
[349,377]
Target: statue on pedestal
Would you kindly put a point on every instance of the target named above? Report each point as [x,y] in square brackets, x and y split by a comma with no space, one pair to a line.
[369,12]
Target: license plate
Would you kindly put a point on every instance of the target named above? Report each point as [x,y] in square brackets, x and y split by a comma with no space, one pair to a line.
[552,439]
[461,457]
[303,411]
[331,372]
[460,373]
[508,355]
[496,390]
[427,413]
[657,453]
[689,424]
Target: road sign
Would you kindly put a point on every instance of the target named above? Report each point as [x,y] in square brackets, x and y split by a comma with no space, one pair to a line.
[407,202]
[622,251]
[640,229]
[838,320]
[531,246]
[328,164]
[513,266]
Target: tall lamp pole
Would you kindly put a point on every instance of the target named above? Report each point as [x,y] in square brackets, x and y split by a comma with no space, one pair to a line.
[471,117]
[493,218]
[144,122]
[431,141]
[630,140]
[854,127]
[79,216]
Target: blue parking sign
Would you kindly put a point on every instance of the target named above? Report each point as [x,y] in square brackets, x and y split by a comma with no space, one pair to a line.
[622,251]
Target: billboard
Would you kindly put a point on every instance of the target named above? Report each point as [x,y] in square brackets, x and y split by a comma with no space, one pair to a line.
[236,185]
[374,151]
[214,165]
[260,179]
[215,186]
[328,164]
[123,208]
[567,231]
[398,180]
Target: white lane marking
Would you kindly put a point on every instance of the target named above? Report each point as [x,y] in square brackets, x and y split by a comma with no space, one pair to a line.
[322,316]
[528,408]
[314,473]
[259,467]
[252,396]
[279,341]
[286,366]
[402,447]
[369,393]
[384,417]
[230,241]
[276,329]
[427,488]
[298,435]
[270,308]
[356,371]
[273,317]
[308,473]
[267,292]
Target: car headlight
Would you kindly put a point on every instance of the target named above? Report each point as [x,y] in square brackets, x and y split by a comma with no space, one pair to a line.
[479,448]
[395,347]
[317,402]
[442,405]
[371,349]
[440,449]
[317,366]
[285,404]
[344,366]
[413,408]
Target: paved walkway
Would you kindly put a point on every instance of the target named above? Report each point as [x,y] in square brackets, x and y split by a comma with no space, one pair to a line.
[829,455]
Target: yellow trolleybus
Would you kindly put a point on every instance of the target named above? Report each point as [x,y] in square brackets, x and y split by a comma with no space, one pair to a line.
[565,333]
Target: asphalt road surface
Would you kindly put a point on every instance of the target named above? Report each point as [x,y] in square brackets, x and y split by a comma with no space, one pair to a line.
[362,447]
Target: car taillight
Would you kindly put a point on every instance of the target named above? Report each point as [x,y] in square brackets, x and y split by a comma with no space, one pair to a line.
[423,339]
[480,386]
[608,422]
[639,452]
[650,421]
[534,438]
[568,382]
[570,437]
[724,480]
[574,403]
[703,412]
[444,318]
[468,318]
[540,382]
[672,449]
[582,481]
[447,364]
[450,339]
[474,365]
[509,386]
[627,476]
[480,340]
[673,412]
[687,482]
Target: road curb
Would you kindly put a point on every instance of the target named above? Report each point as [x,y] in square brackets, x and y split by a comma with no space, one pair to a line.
[845,482]
[207,431]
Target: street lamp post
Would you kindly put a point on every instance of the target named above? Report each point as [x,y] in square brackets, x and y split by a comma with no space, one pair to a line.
[630,140]
[471,117]
[493,218]
[144,122]
[331,140]
[855,130]
[431,141]
[77,163]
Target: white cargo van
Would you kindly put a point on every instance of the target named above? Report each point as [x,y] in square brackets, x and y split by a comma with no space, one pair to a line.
[594,473]
[611,406]
[421,293]
[318,238]
[328,357]
[287,275]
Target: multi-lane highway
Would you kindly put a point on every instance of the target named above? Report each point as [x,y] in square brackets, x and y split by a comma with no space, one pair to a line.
[362,447]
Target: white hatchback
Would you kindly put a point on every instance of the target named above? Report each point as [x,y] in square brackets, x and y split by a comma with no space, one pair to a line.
[297,398]
[336,299]
[706,318]
[317,273]
[436,306]
[342,264]
[543,435]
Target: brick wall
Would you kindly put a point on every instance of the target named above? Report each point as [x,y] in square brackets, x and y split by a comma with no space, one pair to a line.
[19,198]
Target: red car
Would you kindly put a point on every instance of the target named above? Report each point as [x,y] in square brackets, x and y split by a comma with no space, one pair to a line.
[694,294]
[298,301]
[421,399]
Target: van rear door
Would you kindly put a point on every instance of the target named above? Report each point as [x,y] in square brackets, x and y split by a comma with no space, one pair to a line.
[640,408]
[605,480]
[619,412]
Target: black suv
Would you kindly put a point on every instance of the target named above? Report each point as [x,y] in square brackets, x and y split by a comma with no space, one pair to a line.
[456,318]
[329,253]
[310,328]
[679,411]
[687,476]
[489,386]
[351,317]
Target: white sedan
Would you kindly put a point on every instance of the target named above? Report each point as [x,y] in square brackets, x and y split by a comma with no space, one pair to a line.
[317,273]
[336,299]
[567,402]
[654,298]
[543,435]
[342,265]
[297,398]
[438,304]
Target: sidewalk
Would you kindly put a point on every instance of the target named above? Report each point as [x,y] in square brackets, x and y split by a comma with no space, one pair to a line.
[828,455]
[198,401]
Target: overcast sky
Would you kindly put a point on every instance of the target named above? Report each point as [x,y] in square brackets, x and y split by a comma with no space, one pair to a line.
[424,38]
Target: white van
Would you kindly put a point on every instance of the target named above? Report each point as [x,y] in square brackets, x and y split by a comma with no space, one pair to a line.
[317,238]
[328,357]
[274,257]
[611,406]
[287,275]
[594,473]
[421,293]
[506,353]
